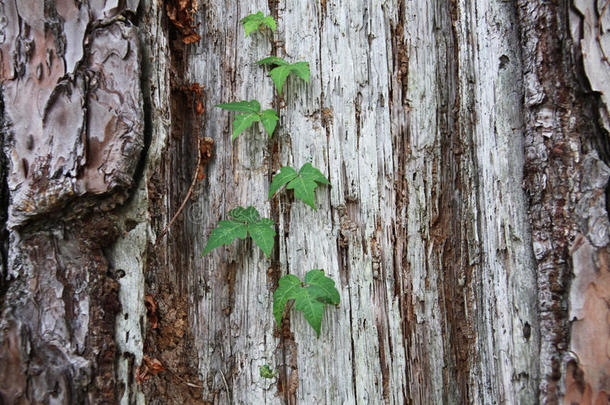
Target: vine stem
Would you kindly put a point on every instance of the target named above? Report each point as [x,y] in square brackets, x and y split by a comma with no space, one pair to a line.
[188,194]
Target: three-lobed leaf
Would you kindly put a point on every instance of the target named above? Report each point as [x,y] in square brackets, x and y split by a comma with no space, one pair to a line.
[280,73]
[310,297]
[251,114]
[303,183]
[253,22]
[243,222]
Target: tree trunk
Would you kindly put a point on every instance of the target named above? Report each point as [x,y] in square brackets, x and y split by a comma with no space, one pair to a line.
[466,227]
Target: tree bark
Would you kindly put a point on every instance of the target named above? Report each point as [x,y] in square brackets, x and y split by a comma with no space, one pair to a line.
[466,227]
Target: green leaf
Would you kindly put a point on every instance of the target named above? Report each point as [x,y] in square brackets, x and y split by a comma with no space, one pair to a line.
[308,171]
[225,233]
[252,106]
[243,222]
[250,27]
[312,309]
[304,183]
[251,114]
[266,372]
[285,175]
[243,122]
[262,233]
[303,189]
[252,22]
[301,69]
[253,17]
[322,287]
[270,22]
[310,298]
[245,215]
[289,285]
[279,76]
[269,120]
[280,73]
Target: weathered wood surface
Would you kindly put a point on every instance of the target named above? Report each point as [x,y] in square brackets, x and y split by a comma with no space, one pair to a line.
[468,177]
[414,112]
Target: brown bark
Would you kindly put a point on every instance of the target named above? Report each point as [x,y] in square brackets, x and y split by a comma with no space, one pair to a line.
[73,133]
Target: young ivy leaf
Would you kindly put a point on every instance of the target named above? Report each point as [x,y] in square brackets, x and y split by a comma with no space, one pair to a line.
[251,114]
[253,22]
[303,183]
[243,222]
[280,73]
[266,372]
[310,297]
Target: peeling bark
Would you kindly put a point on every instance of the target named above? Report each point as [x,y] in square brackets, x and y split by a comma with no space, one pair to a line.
[566,180]
[73,133]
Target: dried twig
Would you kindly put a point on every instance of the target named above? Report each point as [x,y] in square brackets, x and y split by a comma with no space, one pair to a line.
[201,160]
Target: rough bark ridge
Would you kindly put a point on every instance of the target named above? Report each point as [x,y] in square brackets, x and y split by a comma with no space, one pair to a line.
[72,134]
[572,116]
[566,179]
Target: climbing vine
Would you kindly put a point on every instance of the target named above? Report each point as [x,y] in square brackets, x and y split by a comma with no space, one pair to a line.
[317,290]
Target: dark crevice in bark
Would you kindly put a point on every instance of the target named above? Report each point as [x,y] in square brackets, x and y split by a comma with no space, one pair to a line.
[400,57]
[400,145]
[145,86]
[448,228]
[381,324]
[54,23]
[169,263]
[352,347]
